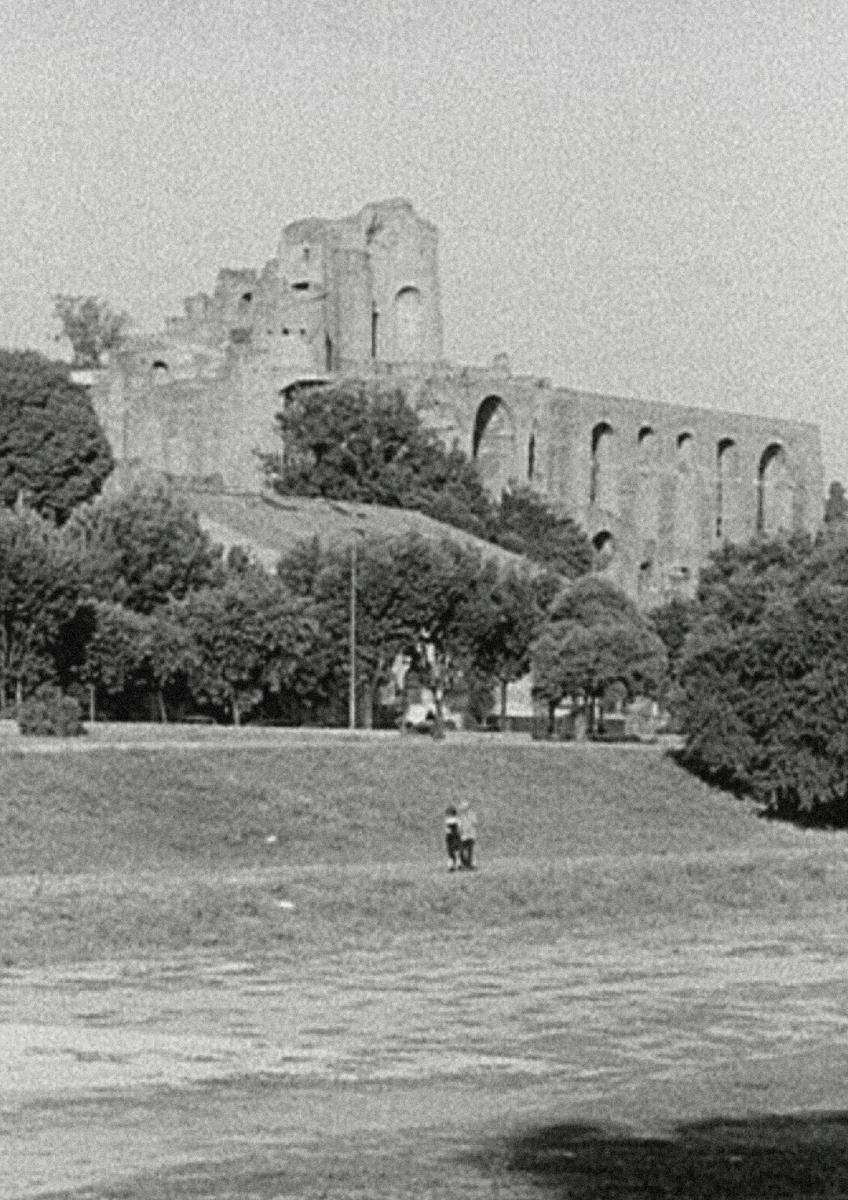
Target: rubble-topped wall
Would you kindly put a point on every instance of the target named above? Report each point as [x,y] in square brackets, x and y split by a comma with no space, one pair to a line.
[656,486]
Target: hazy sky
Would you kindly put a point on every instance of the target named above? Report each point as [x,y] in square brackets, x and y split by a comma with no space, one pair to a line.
[648,198]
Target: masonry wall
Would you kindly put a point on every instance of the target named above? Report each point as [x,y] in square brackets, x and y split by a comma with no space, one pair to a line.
[656,486]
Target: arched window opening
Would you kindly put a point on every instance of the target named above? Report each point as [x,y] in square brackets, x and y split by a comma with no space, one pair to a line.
[603,549]
[685,452]
[328,352]
[647,442]
[600,481]
[493,443]
[408,318]
[159,371]
[774,491]
[531,458]
[726,469]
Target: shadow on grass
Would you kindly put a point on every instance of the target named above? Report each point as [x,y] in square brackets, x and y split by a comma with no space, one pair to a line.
[767,1157]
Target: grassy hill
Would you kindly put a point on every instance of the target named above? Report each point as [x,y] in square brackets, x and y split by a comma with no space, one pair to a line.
[269,526]
[111,851]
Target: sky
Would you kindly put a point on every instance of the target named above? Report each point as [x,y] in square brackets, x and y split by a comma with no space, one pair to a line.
[641,197]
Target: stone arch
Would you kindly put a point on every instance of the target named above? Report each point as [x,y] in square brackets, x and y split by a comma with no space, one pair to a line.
[493,443]
[685,460]
[686,541]
[601,475]
[726,482]
[647,444]
[775,492]
[603,549]
[408,325]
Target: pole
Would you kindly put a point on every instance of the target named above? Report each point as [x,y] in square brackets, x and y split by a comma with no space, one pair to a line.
[351,699]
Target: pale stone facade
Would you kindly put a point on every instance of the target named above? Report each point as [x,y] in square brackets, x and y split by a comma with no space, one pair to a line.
[656,486]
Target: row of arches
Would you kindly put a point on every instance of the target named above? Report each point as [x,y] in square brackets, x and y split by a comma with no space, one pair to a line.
[775,488]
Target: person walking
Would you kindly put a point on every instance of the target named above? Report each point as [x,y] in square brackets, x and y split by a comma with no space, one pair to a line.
[452,839]
[467,836]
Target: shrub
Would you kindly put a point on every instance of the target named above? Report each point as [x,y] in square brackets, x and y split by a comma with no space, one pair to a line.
[50,713]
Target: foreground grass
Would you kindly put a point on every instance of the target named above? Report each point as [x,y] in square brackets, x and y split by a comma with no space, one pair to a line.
[333,844]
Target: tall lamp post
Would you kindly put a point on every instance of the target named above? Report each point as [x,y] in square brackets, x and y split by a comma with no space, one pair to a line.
[351,698]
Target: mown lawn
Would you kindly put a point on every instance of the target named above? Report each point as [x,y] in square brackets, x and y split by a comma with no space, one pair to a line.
[332,842]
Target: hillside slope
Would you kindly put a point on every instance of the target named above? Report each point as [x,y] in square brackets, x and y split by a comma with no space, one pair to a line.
[270,526]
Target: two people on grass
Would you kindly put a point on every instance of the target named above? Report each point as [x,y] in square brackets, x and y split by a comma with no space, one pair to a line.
[460,836]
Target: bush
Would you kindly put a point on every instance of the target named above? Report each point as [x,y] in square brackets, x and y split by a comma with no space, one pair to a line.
[50,713]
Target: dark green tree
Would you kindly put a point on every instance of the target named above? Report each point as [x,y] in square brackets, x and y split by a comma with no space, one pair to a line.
[40,595]
[357,442]
[249,635]
[53,452]
[527,524]
[594,637]
[509,620]
[423,600]
[143,548]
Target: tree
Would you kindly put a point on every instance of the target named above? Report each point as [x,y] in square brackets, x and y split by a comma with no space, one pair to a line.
[249,636]
[143,548]
[91,325]
[40,593]
[503,636]
[595,637]
[357,442]
[527,524]
[415,598]
[52,449]
[767,706]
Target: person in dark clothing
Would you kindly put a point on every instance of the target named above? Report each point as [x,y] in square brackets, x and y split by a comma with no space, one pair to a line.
[467,836]
[452,839]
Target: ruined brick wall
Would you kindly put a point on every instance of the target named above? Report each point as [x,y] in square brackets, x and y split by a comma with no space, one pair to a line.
[656,486]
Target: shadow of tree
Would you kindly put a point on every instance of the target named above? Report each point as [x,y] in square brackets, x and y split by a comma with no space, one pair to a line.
[768,1157]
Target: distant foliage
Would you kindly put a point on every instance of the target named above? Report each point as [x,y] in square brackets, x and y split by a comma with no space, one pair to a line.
[594,639]
[91,325]
[452,613]
[49,713]
[764,675]
[354,442]
[525,523]
[144,548]
[53,452]
[40,597]
[357,442]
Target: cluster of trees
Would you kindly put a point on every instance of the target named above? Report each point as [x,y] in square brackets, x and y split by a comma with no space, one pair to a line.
[759,667]
[130,606]
[130,602]
[356,442]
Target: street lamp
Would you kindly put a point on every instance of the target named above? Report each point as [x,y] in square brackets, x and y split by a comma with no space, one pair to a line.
[351,695]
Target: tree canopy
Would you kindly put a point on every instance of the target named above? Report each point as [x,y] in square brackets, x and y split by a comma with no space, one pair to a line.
[764,674]
[144,547]
[356,441]
[91,325]
[53,451]
[594,637]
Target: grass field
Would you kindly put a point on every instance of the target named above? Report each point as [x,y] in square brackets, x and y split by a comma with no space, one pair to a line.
[236,965]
